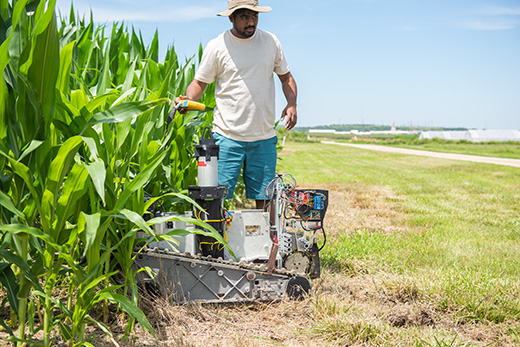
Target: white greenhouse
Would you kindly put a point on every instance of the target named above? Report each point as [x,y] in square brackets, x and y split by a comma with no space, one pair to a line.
[473,135]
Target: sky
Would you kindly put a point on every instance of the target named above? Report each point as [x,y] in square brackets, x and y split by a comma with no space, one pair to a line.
[448,63]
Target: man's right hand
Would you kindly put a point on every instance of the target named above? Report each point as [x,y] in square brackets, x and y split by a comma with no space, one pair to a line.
[178,100]
[193,93]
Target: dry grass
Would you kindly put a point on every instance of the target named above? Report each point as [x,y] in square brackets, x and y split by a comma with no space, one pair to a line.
[362,207]
[263,324]
[352,308]
[359,307]
[368,310]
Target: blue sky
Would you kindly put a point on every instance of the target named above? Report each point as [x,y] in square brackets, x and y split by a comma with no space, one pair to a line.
[451,63]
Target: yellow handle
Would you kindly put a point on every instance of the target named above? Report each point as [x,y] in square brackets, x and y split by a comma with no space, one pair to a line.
[192,105]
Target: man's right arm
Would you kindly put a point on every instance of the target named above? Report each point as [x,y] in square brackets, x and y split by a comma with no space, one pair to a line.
[193,92]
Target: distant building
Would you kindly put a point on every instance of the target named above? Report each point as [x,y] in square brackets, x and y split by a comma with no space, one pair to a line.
[473,135]
[322,131]
[445,135]
[357,132]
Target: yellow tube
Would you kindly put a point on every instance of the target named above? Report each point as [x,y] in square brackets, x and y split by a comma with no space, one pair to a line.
[192,105]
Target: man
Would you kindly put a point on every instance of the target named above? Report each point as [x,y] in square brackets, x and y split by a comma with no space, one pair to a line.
[242,60]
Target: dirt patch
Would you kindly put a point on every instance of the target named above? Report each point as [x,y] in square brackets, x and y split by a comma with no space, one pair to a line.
[408,315]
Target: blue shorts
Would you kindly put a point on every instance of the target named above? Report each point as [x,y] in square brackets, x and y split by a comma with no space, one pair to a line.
[258,159]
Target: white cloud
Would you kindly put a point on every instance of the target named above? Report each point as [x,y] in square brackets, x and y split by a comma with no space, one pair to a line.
[494,18]
[130,11]
[186,14]
[496,10]
[480,25]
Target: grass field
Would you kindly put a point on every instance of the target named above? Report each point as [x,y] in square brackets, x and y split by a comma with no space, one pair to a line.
[433,244]
[420,252]
[501,150]
[488,149]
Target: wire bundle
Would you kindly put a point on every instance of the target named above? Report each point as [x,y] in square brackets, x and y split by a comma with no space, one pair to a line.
[303,206]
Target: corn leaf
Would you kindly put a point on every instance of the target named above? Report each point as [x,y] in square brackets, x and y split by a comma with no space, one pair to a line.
[35,144]
[59,167]
[5,201]
[130,308]
[93,281]
[123,112]
[5,55]
[4,9]
[24,229]
[22,264]
[74,189]
[91,225]
[9,284]
[142,178]
[98,173]
[42,72]
[137,220]
[104,82]
[23,172]
[63,83]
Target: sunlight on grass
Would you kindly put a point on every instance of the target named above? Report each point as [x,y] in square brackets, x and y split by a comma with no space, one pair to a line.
[452,237]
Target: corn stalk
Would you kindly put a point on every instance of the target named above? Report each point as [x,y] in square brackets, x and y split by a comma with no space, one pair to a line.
[84,144]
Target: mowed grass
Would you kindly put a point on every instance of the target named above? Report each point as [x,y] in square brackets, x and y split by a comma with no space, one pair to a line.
[507,149]
[430,247]
[496,149]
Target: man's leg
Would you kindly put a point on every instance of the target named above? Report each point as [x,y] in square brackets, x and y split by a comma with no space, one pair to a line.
[231,158]
[265,205]
[259,170]
[262,204]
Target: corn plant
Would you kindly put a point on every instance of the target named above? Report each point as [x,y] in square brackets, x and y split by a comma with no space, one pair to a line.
[84,151]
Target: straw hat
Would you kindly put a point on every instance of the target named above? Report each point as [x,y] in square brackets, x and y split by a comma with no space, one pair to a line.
[252,5]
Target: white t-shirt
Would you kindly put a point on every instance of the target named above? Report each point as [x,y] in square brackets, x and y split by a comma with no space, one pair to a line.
[244,90]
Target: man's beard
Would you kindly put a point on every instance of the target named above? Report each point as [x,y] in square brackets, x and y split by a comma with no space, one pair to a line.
[246,32]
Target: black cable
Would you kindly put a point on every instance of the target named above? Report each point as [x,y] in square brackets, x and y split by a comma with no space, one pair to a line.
[324,239]
[307,229]
[287,207]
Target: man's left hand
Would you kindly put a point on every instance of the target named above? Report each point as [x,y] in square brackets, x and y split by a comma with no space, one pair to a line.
[290,116]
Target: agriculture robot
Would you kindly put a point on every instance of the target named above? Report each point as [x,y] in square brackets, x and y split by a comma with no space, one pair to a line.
[266,260]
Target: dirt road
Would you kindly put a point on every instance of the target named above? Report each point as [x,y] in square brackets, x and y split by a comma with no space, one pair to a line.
[454,156]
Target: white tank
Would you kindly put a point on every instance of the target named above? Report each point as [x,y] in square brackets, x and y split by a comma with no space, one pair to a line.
[207,171]
[207,160]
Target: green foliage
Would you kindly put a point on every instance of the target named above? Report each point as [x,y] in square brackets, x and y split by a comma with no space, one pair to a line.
[83,144]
